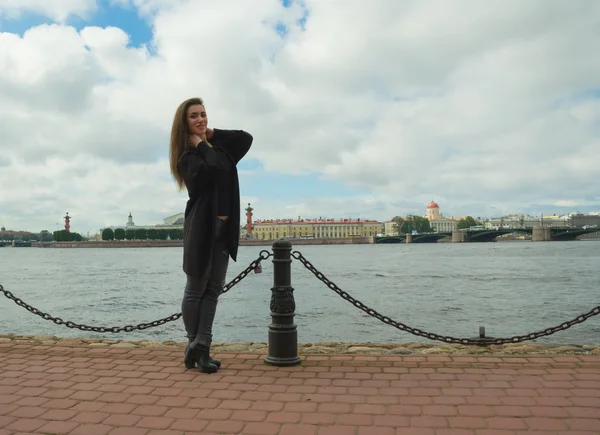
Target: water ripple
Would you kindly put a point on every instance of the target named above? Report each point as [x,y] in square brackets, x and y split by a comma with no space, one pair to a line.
[511,288]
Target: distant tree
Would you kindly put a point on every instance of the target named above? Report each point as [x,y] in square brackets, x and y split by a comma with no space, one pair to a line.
[62,236]
[415,223]
[162,234]
[119,234]
[153,234]
[397,224]
[141,234]
[108,234]
[45,236]
[66,236]
[176,234]
[130,234]
[467,222]
[26,237]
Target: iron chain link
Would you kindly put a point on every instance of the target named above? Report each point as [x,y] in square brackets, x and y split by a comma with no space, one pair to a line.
[129,328]
[431,335]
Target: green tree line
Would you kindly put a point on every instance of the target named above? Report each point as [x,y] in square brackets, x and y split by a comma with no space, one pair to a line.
[66,236]
[467,222]
[43,236]
[26,237]
[142,234]
[410,223]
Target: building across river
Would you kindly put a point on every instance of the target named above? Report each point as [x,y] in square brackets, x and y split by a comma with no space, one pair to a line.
[274,229]
[319,228]
[169,223]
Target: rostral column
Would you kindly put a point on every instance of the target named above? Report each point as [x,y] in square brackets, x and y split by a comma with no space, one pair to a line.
[249,221]
[67,222]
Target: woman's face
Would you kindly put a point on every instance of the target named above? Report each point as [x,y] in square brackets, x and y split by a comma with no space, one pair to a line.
[197,121]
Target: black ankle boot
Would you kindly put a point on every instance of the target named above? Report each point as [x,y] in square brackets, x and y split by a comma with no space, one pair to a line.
[201,356]
[190,360]
[215,362]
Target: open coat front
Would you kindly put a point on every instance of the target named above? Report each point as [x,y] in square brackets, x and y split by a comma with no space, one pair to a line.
[201,168]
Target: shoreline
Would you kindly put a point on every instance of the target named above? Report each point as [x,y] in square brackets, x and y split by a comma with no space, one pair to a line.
[247,242]
[321,348]
[179,243]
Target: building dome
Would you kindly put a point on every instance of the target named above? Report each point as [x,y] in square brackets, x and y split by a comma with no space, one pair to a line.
[432,204]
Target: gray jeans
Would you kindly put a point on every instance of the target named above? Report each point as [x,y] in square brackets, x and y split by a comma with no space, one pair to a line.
[201,295]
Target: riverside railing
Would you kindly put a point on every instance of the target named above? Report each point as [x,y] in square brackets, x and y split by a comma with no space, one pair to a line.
[283,334]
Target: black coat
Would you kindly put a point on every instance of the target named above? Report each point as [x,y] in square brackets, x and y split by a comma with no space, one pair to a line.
[200,168]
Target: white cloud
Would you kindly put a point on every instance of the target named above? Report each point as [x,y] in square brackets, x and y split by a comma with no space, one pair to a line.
[485,109]
[58,10]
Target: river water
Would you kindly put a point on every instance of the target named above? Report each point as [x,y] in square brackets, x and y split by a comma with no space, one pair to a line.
[509,287]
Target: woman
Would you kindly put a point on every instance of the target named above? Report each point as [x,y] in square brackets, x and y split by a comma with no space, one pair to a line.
[204,161]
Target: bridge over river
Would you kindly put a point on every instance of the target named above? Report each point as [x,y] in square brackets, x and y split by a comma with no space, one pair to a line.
[462,236]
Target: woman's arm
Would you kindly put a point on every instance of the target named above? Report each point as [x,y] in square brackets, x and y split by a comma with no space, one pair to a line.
[200,168]
[235,142]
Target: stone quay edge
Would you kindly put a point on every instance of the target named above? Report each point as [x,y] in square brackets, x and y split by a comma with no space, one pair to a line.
[321,348]
[179,243]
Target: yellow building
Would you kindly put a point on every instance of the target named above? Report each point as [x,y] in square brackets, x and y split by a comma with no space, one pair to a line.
[389,228]
[314,228]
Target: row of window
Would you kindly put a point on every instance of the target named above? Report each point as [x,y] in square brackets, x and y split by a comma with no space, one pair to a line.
[284,235]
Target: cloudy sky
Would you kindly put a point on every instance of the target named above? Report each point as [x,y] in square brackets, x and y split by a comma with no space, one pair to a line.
[358,109]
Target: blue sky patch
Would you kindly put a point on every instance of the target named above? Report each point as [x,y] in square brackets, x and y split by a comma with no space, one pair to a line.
[126,18]
[281,29]
[20,25]
[302,21]
[576,98]
[274,185]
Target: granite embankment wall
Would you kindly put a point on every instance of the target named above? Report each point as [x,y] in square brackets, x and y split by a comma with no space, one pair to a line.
[595,235]
[179,243]
[111,244]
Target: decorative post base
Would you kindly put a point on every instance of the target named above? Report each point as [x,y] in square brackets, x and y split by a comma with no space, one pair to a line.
[283,336]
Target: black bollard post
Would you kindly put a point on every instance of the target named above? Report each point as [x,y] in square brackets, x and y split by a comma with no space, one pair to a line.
[283,336]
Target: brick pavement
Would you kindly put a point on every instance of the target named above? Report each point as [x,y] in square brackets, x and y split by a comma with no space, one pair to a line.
[97,391]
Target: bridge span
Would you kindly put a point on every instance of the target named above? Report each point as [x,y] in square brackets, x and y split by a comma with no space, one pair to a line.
[415,238]
[481,236]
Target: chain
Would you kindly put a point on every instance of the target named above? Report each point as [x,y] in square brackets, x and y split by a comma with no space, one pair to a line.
[129,328]
[433,336]
[264,255]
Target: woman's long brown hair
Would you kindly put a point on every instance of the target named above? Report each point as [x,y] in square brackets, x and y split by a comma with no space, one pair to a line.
[179,134]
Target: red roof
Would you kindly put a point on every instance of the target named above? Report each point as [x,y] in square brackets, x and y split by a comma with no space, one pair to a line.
[432,204]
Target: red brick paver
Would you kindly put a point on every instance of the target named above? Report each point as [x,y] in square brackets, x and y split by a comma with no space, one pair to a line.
[111,391]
